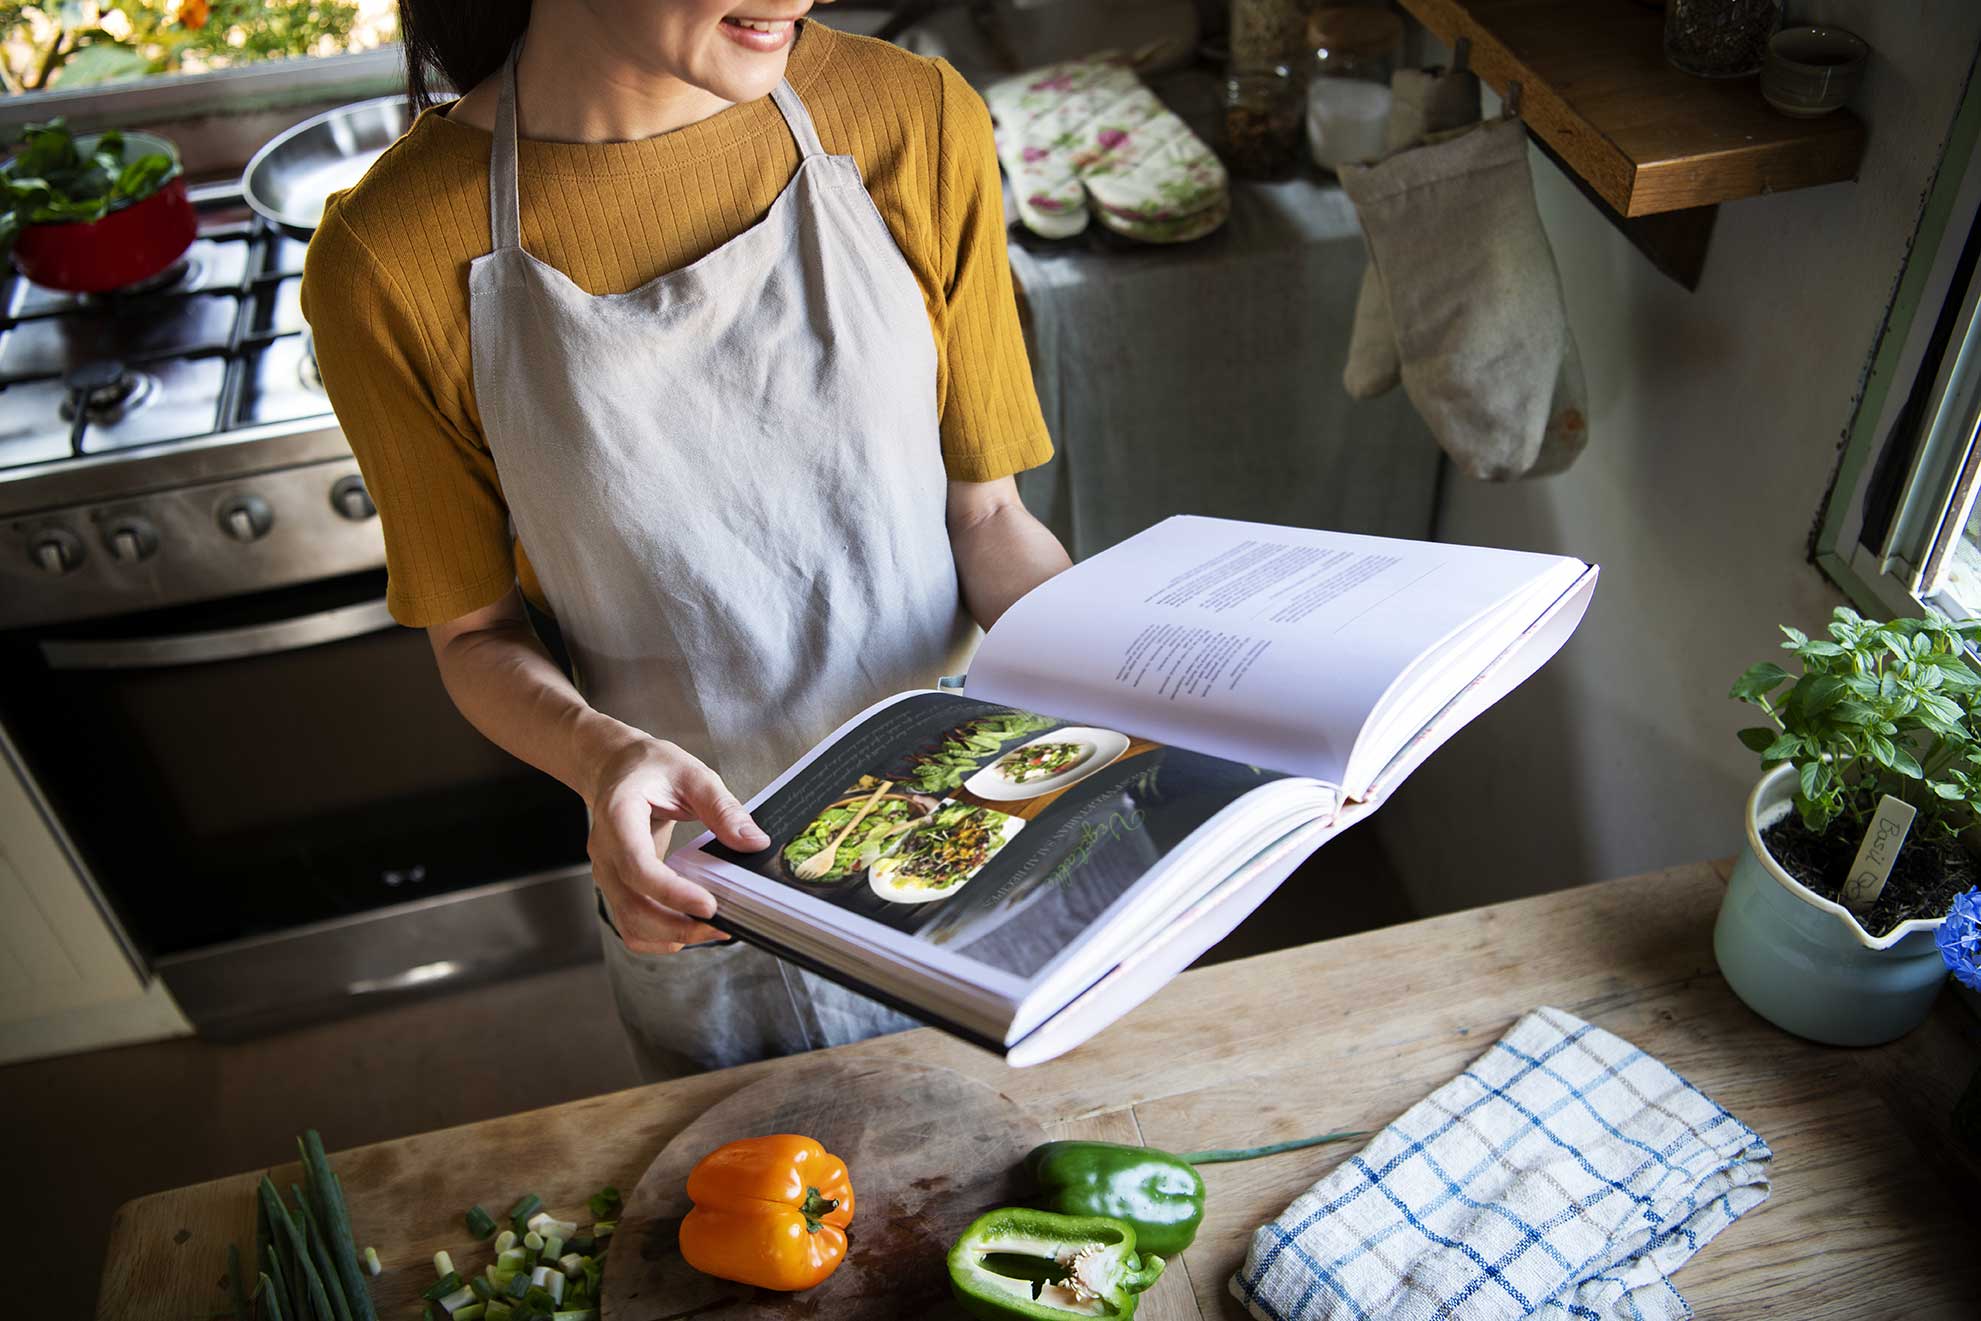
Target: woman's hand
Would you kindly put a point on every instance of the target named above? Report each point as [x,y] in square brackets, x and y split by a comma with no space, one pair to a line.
[643,787]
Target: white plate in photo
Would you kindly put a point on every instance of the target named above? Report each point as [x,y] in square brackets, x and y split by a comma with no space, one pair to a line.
[886,876]
[1049,762]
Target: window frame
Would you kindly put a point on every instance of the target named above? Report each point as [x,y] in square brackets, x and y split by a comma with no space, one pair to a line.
[263,85]
[1910,460]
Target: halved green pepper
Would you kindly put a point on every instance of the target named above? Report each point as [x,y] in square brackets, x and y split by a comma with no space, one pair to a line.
[1037,1266]
[1159,1194]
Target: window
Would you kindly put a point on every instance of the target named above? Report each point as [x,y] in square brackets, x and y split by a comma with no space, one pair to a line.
[124,63]
[1903,528]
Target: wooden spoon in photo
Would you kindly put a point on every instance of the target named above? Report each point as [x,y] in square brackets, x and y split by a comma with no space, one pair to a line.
[815,867]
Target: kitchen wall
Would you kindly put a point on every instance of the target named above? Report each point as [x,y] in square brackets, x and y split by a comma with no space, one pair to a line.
[1715,422]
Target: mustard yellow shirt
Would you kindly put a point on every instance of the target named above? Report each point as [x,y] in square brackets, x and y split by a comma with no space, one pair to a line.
[385,286]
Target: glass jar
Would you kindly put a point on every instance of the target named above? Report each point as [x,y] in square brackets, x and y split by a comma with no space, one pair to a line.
[1259,131]
[1719,38]
[1348,92]
[1265,33]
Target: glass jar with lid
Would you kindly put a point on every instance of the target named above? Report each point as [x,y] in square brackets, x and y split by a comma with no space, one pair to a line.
[1259,130]
[1348,93]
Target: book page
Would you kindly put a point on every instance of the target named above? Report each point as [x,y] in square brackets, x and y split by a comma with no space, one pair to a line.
[1268,645]
[935,829]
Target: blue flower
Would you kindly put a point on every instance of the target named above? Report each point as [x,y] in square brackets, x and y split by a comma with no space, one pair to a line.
[1960,939]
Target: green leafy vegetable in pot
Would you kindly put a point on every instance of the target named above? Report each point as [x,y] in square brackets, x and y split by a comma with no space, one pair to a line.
[50,181]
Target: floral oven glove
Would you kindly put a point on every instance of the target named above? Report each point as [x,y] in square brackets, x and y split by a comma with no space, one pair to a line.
[1086,137]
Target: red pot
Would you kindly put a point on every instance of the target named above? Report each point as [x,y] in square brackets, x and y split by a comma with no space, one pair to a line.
[125,247]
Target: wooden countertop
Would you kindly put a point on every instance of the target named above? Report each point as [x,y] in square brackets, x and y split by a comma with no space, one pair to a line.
[1864,1219]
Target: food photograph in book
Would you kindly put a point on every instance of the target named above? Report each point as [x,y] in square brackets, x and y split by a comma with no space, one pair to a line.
[997,833]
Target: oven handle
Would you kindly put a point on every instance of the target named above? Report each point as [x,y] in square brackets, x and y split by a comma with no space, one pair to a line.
[348,621]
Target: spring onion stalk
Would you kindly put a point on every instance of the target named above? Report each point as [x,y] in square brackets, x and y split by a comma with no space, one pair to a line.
[315,1300]
[505,1240]
[443,1265]
[571,1264]
[335,1214]
[526,1206]
[483,1288]
[512,1260]
[271,1300]
[372,1263]
[604,1228]
[561,1228]
[480,1223]
[519,1284]
[236,1293]
[472,1312]
[553,1246]
[443,1286]
[533,1241]
[457,1299]
[340,1310]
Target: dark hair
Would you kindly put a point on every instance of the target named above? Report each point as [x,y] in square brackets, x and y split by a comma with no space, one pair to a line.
[461,41]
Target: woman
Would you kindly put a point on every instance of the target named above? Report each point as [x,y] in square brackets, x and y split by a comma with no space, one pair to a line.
[690,322]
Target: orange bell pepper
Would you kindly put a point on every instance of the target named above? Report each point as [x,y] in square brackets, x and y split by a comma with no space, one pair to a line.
[769,1211]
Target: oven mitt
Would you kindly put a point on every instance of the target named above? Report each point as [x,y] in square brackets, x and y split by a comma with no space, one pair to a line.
[1422,102]
[1087,139]
[1481,329]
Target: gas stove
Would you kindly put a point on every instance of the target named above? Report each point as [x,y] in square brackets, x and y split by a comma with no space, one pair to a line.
[172,443]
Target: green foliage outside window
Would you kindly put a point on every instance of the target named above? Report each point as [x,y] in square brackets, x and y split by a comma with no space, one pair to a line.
[82,43]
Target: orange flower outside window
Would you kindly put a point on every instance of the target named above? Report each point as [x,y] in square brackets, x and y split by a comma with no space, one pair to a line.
[769,1211]
[192,13]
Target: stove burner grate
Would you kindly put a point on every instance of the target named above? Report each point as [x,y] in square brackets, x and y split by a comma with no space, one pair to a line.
[106,392]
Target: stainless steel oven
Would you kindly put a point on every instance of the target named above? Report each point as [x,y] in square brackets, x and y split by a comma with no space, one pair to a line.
[259,770]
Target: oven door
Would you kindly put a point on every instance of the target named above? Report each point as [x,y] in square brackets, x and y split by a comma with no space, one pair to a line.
[244,775]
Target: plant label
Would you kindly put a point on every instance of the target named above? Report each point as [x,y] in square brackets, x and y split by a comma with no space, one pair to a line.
[1875,856]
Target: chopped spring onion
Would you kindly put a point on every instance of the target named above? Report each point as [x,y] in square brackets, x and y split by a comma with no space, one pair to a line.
[511,1260]
[526,1206]
[550,1280]
[533,1241]
[571,1264]
[498,1312]
[583,1243]
[442,1287]
[604,1228]
[505,1240]
[472,1312]
[604,1203]
[372,1263]
[561,1228]
[443,1265]
[582,1314]
[484,1289]
[553,1246]
[519,1284]
[480,1223]
[457,1300]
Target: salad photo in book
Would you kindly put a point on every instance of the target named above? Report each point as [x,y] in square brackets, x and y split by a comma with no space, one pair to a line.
[1145,746]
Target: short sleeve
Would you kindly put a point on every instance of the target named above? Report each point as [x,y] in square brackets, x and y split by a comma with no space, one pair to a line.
[991,424]
[446,526]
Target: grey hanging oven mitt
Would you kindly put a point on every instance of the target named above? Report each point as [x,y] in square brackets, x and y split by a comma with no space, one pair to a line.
[1422,102]
[1481,328]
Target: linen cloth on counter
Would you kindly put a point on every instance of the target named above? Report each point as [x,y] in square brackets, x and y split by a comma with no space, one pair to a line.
[1200,379]
[1564,1174]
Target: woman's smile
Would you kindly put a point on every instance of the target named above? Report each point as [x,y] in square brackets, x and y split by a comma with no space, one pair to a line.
[764,35]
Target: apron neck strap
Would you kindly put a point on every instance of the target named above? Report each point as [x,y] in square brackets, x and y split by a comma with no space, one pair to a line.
[505,208]
[797,119]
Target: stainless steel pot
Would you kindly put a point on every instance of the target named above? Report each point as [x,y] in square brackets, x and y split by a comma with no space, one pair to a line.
[289,179]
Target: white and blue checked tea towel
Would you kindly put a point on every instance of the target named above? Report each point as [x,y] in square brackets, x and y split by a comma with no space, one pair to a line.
[1565,1174]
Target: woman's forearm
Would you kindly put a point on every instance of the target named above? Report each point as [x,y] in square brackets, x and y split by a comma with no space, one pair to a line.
[1001,551]
[501,678]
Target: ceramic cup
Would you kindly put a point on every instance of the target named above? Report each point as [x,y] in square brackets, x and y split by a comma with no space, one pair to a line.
[1812,71]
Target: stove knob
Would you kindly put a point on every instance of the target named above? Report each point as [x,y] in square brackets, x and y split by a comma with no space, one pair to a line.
[246,518]
[55,550]
[131,540]
[349,498]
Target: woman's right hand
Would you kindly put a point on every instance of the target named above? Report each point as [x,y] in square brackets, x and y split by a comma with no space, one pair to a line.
[645,785]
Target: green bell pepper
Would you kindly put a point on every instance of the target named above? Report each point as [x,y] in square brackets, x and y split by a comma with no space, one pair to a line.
[1159,1194]
[1019,1264]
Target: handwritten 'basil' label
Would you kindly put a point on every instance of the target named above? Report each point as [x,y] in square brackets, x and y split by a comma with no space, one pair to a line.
[1877,853]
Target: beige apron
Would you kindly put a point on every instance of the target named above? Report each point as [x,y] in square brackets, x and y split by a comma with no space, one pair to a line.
[731,485]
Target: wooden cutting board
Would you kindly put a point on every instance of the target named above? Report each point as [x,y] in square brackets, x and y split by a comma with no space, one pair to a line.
[929,1150]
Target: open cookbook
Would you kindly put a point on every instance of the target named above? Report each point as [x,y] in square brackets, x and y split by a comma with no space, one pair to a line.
[1145,747]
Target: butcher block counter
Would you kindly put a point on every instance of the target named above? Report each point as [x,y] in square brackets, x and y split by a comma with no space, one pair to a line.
[1867,1217]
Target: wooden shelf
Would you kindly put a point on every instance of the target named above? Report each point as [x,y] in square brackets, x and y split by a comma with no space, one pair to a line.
[1595,87]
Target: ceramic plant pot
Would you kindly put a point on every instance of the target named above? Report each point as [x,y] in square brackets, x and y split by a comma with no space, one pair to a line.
[1802,962]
